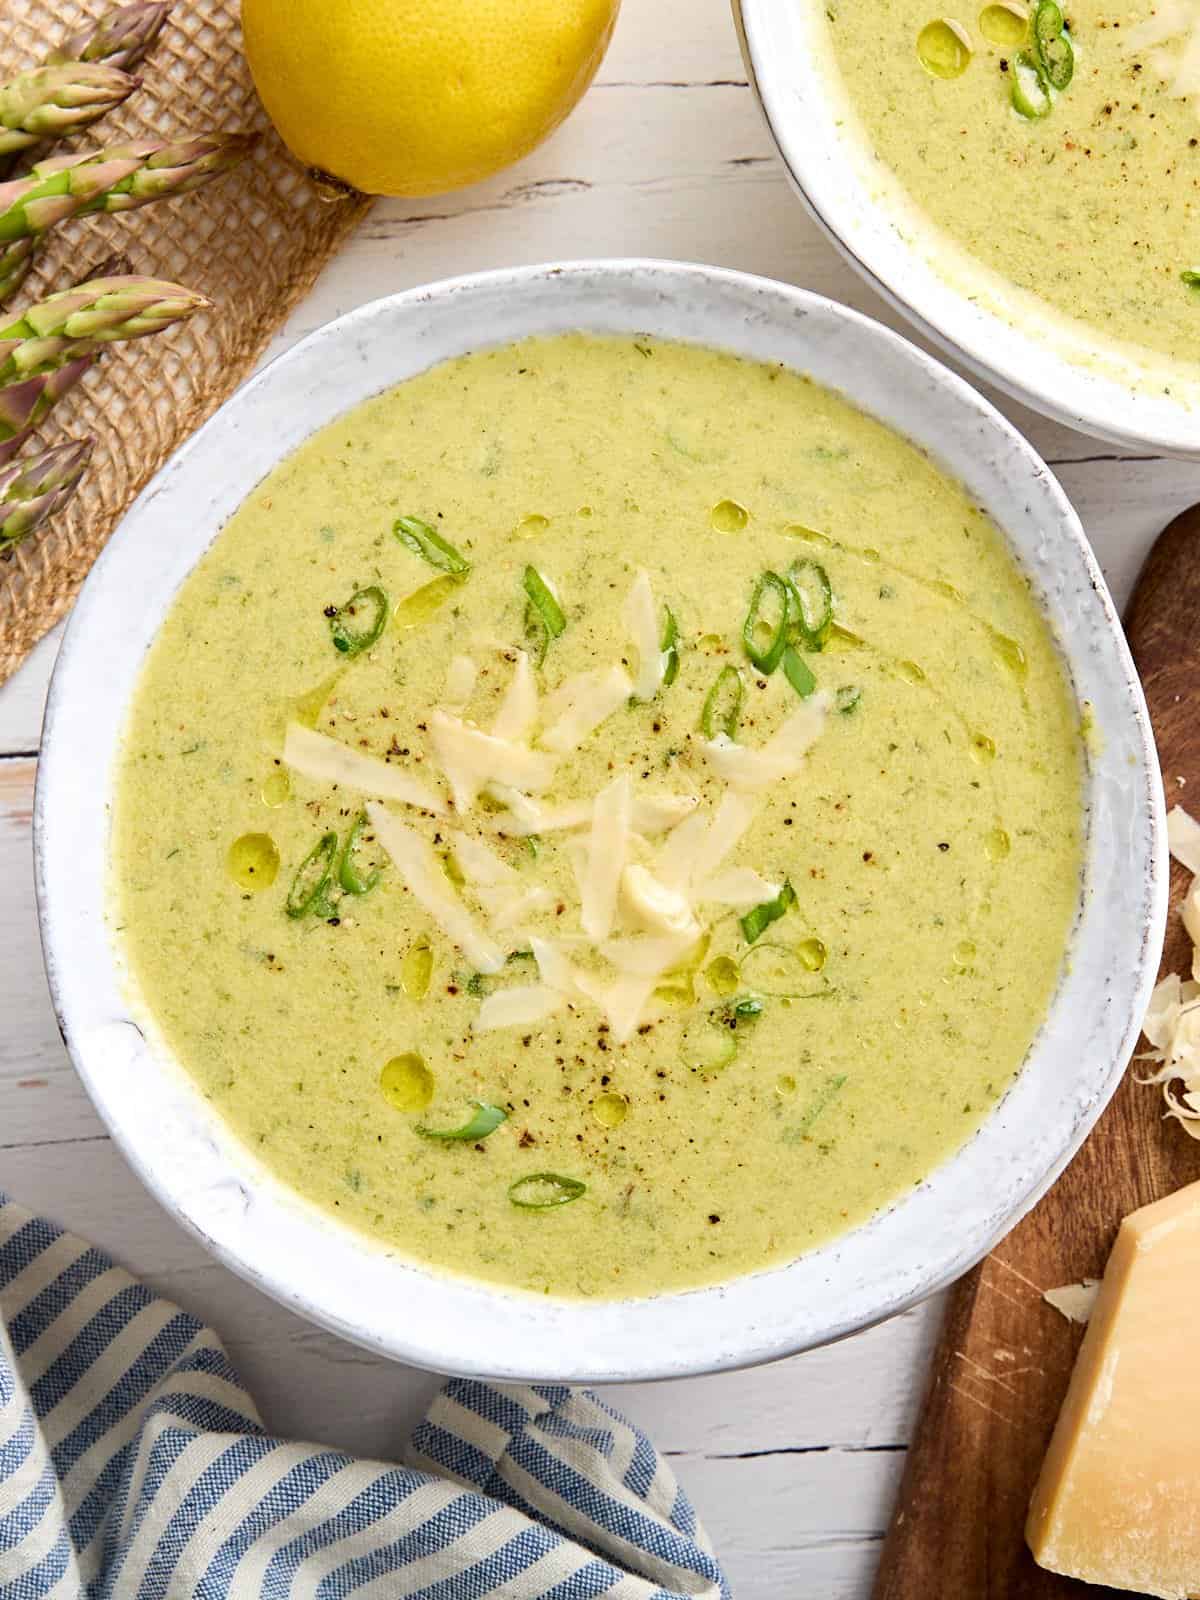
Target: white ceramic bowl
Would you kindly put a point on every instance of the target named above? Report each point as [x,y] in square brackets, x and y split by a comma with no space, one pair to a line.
[1001,332]
[215,1186]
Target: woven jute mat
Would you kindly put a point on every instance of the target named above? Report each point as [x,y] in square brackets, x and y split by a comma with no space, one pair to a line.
[253,242]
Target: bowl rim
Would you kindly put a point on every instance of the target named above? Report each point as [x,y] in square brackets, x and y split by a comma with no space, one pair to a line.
[212,1185]
[994,349]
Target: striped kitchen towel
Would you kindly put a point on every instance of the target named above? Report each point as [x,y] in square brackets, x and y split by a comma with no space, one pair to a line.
[134,1466]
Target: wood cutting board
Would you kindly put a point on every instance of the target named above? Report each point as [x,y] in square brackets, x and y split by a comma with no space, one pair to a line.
[1001,1367]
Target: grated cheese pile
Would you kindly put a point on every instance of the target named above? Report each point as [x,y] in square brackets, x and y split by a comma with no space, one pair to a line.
[650,869]
[1172,1023]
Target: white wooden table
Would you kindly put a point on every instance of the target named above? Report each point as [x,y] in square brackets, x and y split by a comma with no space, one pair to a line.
[793,1466]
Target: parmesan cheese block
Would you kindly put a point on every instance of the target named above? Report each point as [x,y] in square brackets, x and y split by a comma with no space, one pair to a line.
[1117,1501]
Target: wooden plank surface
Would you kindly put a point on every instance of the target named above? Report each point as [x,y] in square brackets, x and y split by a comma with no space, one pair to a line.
[793,1466]
[1004,1358]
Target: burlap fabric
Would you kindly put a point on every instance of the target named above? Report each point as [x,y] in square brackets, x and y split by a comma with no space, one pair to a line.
[253,241]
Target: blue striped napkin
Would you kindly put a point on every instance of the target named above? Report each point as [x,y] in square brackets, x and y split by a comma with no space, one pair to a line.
[134,1466]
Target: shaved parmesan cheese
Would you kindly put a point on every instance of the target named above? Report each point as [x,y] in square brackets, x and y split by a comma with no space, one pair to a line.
[579,705]
[1074,1300]
[517,1008]
[325,760]
[639,618]
[1183,838]
[1186,81]
[656,907]
[556,971]
[781,757]
[479,862]
[734,816]
[1190,912]
[460,682]
[518,713]
[622,1002]
[676,859]
[470,758]
[608,846]
[508,908]
[740,887]
[652,813]
[1172,1025]
[422,872]
[649,957]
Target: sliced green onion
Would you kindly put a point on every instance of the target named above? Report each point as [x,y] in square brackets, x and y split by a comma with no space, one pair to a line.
[307,892]
[348,874]
[541,1190]
[670,648]
[708,1046]
[479,986]
[544,619]
[1030,87]
[812,611]
[427,543]
[723,705]
[746,1009]
[765,653]
[848,698]
[1053,47]
[1192,279]
[353,640]
[796,671]
[756,922]
[485,1120]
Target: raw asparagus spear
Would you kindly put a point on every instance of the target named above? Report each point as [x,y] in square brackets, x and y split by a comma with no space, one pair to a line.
[56,102]
[31,491]
[121,37]
[118,179]
[45,351]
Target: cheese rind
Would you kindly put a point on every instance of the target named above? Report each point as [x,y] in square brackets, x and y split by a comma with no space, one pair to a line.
[1116,1502]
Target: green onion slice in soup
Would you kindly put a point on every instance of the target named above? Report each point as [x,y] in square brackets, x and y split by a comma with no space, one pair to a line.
[798,673]
[723,705]
[670,647]
[1052,45]
[541,1190]
[812,603]
[1030,87]
[351,880]
[485,1120]
[544,618]
[755,923]
[307,892]
[428,543]
[357,625]
[765,636]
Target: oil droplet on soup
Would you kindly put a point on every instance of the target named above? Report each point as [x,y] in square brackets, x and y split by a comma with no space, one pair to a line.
[812,953]
[982,747]
[276,789]
[997,844]
[531,526]
[610,1110]
[253,861]
[944,48]
[722,975]
[1004,24]
[416,970]
[424,603]
[407,1083]
[728,516]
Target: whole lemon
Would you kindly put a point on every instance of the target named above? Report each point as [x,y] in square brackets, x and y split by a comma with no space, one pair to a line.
[415,97]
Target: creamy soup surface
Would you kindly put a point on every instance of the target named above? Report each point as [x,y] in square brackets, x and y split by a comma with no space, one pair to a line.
[1093,206]
[700,984]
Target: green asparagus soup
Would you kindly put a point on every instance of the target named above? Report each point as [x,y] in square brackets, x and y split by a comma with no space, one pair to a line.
[1058,146]
[602,817]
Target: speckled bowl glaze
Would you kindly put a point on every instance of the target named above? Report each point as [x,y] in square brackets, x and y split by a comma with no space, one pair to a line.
[214,1185]
[1002,333]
